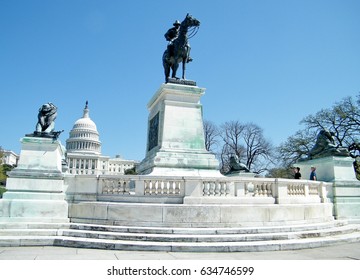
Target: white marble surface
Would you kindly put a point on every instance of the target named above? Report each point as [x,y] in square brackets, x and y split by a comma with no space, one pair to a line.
[329,169]
[181,142]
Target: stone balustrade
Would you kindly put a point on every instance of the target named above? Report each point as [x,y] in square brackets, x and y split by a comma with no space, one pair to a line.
[163,187]
[115,186]
[231,190]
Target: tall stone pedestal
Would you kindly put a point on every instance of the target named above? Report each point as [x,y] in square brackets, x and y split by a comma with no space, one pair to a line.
[346,188]
[329,169]
[176,143]
[35,189]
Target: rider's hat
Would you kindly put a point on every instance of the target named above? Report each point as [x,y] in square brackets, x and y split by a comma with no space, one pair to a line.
[176,23]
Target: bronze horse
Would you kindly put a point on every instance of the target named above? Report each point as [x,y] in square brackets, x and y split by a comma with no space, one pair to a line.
[181,49]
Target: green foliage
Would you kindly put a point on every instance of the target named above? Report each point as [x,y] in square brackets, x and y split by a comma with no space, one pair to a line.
[2,175]
[4,168]
[285,173]
[130,171]
[2,190]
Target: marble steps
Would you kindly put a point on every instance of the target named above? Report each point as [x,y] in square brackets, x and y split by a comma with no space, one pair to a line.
[250,246]
[191,237]
[33,225]
[208,231]
[176,239]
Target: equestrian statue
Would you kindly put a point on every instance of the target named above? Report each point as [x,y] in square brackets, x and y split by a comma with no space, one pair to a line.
[178,49]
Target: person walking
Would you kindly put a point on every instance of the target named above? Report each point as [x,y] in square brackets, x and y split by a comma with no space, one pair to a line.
[313,173]
[297,173]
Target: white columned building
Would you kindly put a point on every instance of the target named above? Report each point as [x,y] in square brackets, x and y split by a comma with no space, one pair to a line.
[84,148]
[84,151]
[9,158]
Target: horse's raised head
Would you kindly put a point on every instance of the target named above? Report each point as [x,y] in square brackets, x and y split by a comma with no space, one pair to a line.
[191,21]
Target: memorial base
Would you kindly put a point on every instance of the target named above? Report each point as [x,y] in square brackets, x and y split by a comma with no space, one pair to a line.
[35,189]
[346,187]
[347,200]
[176,143]
[329,169]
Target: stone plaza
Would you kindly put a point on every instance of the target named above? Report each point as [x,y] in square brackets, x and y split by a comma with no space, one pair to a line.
[178,201]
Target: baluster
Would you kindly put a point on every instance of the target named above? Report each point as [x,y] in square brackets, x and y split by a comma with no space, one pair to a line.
[227,189]
[122,186]
[177,187]
[157,187]
[105,187]
[270,190]
[166,187]
[205,189]
[162,187]
[112,186]
[266,190]
[171,187]
[153,187]
[123,183]
[256,191]
[146,187]
[127,187]
[208,189]
[212,188]
[222,188]
[290,190]
[216,188]
[119,187]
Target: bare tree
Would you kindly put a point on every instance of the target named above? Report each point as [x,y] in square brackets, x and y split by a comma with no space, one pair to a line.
[247,142]
[231,134]
[348,111]
[296,147]
[258,150]
[211,133]
[343,119]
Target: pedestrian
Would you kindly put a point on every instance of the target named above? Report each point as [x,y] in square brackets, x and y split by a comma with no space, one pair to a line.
[297,173]
[313,173]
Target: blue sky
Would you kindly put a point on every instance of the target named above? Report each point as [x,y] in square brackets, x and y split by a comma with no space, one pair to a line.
[267,62]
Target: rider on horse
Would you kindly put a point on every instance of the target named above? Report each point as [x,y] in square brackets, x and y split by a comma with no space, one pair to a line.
[170,36]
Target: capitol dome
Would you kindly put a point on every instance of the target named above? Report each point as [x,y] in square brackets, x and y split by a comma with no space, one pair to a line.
[84,137]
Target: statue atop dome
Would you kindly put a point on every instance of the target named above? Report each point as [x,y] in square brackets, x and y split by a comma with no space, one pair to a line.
[84,136]
[86,110]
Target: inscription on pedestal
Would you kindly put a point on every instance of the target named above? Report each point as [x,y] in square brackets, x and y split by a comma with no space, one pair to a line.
[153,132]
